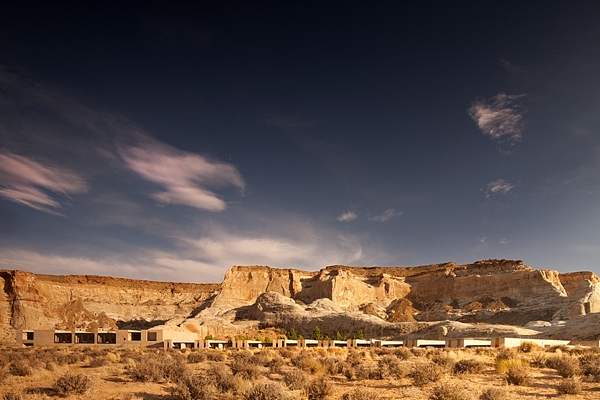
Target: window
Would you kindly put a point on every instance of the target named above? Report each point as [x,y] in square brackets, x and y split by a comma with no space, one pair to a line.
[152,336]
[84,338]
[27,335]
[107,338]
[61,337]
[135,336]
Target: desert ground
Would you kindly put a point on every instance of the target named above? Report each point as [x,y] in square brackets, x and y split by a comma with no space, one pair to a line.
[527,372]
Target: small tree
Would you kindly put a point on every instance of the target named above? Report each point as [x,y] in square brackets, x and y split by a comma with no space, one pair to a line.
[317,333]
[292,335]
[360,334]
[338,335]
[208,337]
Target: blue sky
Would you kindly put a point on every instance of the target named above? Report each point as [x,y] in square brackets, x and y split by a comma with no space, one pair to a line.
[170,142]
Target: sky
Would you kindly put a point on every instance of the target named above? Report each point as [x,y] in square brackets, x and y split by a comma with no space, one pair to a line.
[171,141]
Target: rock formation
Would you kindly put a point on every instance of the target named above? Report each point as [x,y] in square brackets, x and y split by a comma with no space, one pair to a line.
[386,302]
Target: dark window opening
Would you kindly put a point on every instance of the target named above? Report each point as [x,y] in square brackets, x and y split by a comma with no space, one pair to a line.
[135,336]
[27,335]
[84,338]
[63,338]
[107,338]
[152,336]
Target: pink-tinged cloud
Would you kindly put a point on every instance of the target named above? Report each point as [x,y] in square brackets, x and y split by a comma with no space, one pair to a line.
[497,187]
[347,216]
[183,175]
[499,117]
[26,182]
[386,216]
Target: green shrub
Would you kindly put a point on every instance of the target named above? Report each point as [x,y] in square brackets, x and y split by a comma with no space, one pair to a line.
[518,375]
[569,386]
[71,383]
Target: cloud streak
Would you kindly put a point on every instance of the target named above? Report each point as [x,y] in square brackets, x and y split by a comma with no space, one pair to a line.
[347,216]
[183,175]
[26,181]
[499,187]
[499,117]
[386,216]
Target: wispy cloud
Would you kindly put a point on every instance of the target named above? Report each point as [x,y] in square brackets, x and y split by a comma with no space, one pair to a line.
[386,216]
[27,181]
[499,187]
[499,117]
[347,216]
[503,241]
[183,175]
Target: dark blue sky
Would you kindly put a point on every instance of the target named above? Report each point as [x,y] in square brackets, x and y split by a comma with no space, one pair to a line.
[172,141]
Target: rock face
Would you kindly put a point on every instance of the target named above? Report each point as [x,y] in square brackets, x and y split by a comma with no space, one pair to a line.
[31,301]
[388,302]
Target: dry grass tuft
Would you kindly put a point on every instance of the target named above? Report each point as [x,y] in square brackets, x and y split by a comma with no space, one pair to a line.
[319,388]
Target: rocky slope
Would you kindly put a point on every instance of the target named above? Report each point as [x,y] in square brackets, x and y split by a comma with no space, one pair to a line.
[384,302]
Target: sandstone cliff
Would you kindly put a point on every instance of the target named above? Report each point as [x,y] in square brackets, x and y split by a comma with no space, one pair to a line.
[391,301]
[33,301]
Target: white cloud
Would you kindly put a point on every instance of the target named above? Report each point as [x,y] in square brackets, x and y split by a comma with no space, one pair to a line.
[182,174]
[347,216]
[499,187]
[483,239]
[25,181]
[387,215]
[499,117]
[504,241]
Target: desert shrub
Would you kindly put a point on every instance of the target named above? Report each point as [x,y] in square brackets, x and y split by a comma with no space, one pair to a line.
[195,387]
[494,393]
[528,347]
[276,363]
[366,370]
[444,358]
[356,357]
[518,375]
[503,364]
[450,391]
[288,352]
[147,370]
[558,348]
[403,353]
[348,371]
[333,364]
[569,386]
[361,394]
[216,355]
[246,369]
[4,371]
[196,357]
[567,366]
[296,379]
[391,367]
[266,391]
[468,366]
[13,396]
[319,388]
[427,373]
[99,361]
[537,359]
[20,369]
[507,353]
[418,352]
[308,363]
[221,377]
[71,383]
